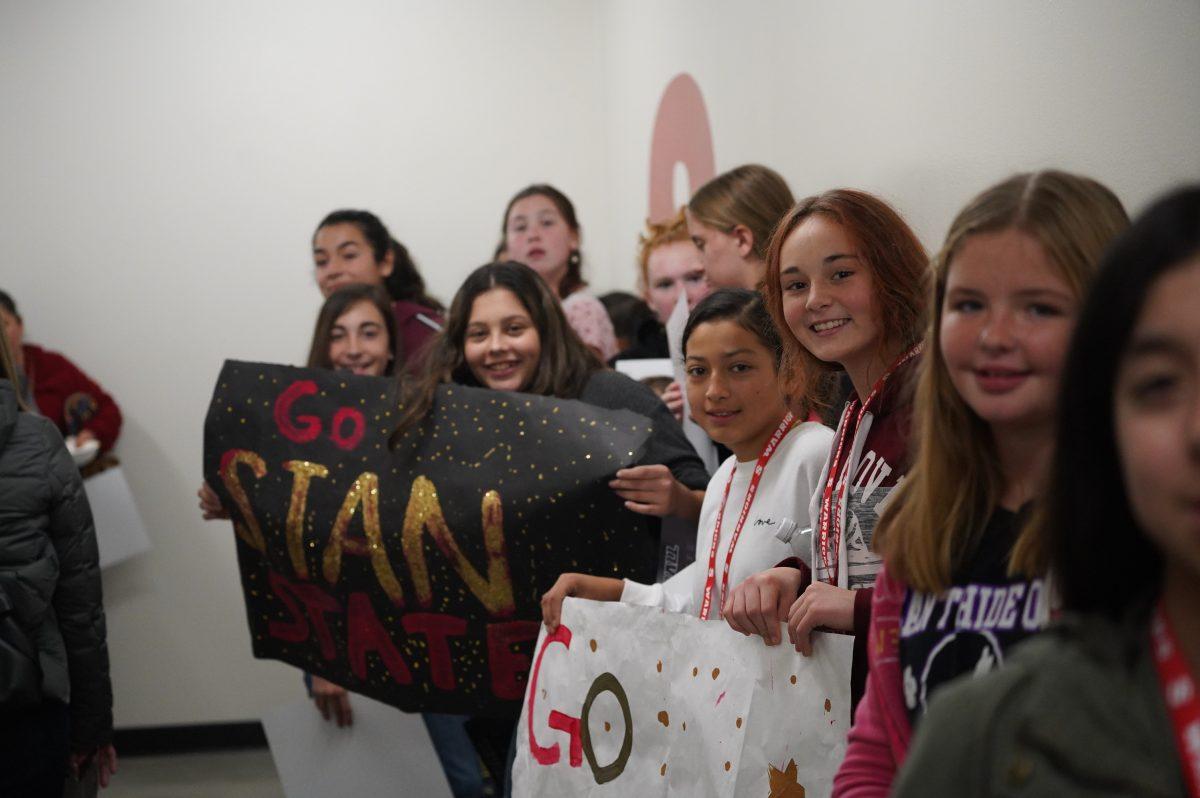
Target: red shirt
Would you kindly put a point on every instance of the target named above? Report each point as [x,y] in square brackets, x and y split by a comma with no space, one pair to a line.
[61,391]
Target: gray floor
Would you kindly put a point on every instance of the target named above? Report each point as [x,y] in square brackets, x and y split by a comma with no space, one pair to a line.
[223,774]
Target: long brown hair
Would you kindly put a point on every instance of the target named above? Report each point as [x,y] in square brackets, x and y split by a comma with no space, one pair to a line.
[10,372]
[898,266]
[336,306]
[751,195]
[563,368]
[934,521]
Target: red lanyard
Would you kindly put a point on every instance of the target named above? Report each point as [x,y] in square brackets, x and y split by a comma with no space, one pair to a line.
[763,459]
[829,522]
[1179,689]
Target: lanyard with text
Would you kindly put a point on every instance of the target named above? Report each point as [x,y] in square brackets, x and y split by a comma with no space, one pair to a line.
[829,521]
[1179,690]
[763,459]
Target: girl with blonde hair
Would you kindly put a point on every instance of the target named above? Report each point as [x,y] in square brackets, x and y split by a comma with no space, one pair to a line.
[1107,702]
[731,218]
[957,592]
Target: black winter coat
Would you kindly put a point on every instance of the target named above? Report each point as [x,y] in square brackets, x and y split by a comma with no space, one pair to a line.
[49,567]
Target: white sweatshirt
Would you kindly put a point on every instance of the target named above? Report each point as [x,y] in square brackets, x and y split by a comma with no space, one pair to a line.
[787,484]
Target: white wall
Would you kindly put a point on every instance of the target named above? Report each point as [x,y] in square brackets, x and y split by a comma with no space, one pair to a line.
[924,101]
[165,163]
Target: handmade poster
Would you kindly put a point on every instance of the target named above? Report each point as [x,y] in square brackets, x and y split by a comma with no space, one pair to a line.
[413,574]
[626,700]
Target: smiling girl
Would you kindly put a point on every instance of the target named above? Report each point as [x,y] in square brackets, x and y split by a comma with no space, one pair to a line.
[353,246]
[1107,702]
[355,332]
[956,595]
[845,279]
[732,355]
[506,332]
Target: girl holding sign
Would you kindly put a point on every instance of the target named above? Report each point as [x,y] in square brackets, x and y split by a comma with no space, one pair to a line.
[355,332]
[732,357]
[506,331]
[1108,702]
[958,590]
[845,283]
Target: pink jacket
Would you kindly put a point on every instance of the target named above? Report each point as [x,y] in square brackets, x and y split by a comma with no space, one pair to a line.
[879,738]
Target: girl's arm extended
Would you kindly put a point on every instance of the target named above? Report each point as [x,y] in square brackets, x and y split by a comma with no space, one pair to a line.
[598,588]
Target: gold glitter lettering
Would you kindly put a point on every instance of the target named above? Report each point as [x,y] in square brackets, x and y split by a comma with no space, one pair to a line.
[365,491]
[247,529]
[304,471]
[425,512]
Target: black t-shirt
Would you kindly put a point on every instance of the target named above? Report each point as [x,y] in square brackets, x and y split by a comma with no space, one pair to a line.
[971,627]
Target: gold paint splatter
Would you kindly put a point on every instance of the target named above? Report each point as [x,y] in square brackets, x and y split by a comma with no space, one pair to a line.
[592,644]
[728,765]
[664,718]
[662,771]
[716,672]
[695,672]
[660,666]
[793,679]
[783,783]
[828,705]
[739,723]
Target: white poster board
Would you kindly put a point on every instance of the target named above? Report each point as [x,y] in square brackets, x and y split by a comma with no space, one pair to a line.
[120,532]
[695,435]
[647,367]
[635,701]
[384,753]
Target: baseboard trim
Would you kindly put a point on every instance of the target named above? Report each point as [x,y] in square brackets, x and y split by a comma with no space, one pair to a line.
[188,738]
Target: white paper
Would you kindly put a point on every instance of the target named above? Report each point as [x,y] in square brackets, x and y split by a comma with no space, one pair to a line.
[642,368]
[385,752]
[120,532]
[711,712]
[695,435]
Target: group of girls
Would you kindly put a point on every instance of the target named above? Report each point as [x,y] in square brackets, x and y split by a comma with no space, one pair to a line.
[923,524]
[511,326]
[934,536]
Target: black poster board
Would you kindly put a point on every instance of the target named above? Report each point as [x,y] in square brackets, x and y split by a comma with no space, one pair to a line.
[414,574]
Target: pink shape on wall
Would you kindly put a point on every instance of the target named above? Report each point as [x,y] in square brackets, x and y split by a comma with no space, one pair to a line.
[681,135]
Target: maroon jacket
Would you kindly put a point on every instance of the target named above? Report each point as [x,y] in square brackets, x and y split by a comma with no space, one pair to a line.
[61,391]
[881,446]
[414,331]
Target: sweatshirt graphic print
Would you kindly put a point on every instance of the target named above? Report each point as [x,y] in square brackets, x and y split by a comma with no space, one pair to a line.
[874,459]
[972,627]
